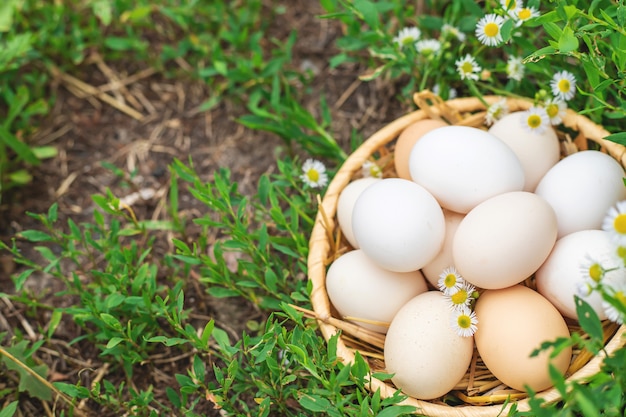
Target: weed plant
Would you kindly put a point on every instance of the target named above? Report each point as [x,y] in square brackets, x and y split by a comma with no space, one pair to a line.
[130,308]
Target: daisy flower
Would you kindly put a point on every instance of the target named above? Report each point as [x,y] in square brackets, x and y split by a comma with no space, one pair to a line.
[449,30]
[314,174]
[370,169]
[563,85]
[488,29]
[556,110]
[524,14]
[615,223]
[468,67]
[407,36]
[428,46]
[462,297]
[464,322]
[515,68]
[612,313]
[583,289]
[450,281]
[591,270]
[496,111]
[511,5]
[535,119]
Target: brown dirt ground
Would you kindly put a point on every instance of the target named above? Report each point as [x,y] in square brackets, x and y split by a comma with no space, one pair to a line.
[147,122]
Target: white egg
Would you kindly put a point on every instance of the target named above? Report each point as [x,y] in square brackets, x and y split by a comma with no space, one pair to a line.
[359,288]
[464,166]
[345,205]
[581,188]
[564,272]
[537,152]
[398,224]
[504,240]
[444,258]
[425,354]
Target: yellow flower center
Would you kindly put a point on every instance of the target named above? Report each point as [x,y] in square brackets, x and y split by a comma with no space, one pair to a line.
[449,281]
[621,252]
[524,14]
[621,297]
[563,85]
[459,297]
[510,4]
[375,171]
[464,321]
[467,67]
[552,110]
[408,40]
[596,272]
[534,121]
[313,175]
[619,224]
[491,29]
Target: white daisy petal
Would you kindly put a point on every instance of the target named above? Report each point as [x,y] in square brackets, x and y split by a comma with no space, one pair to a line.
[462,297]
[407,36]
[467,67]
[563,85]
[615,223]
[450,281]
[464,322]
[488,29]
[535,119]
[314,174]
[515,68]
[496,111]
[449,30]
[556,110]
[372,170]
[428,46]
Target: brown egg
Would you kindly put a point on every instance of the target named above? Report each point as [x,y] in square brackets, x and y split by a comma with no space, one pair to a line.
[512,322]
[407,139]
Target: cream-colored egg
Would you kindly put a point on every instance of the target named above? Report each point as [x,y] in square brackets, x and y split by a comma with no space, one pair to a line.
[444,258]
[512,323]
[567,268]
[398,224]
[464,166]
[581,188]
[407,138]
[504,240]
[359,288]
[427,357]
[345,205]
[537,152]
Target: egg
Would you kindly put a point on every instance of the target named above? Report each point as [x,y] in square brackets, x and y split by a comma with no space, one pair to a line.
[443,259]
[427,357]
[407,138]
[567,268]
[464,166]
[345,205]
[504,240]
[537,152]
[512,323]
[359,288]
[581,188]
[398,224]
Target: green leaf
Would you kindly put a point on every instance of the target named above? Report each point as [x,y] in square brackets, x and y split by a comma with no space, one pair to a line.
[114,341]
[368,10]
[21,149]
[568,41]
[25,367]
[45,152]
[553,30]
[9,410]
[617,138]
[589,320]
[20,177]
[103,10]
[314,403]
[397,410]
[35,236]
[6,19]
[507,30]
[55,320]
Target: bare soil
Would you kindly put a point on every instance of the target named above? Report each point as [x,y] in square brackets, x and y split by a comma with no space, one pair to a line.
[146,122]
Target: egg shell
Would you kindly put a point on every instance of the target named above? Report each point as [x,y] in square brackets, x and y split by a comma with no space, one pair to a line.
[504,240]
[357,287]
[426,355]
[444,258]
[407,138]
[512,323]
[581,188]
[537,152]
[345,205]
[464,166]
[398,224]
[561,275]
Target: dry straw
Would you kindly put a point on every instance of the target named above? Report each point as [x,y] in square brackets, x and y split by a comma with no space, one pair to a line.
[479,391]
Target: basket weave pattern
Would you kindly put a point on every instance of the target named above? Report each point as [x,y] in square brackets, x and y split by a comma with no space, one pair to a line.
[326,244]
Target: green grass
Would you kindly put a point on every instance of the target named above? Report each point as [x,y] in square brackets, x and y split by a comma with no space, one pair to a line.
[127,306]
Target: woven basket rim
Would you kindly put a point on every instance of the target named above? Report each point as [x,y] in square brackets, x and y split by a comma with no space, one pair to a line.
[319,247]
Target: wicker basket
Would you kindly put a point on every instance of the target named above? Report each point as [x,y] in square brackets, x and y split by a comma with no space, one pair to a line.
[326,245]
